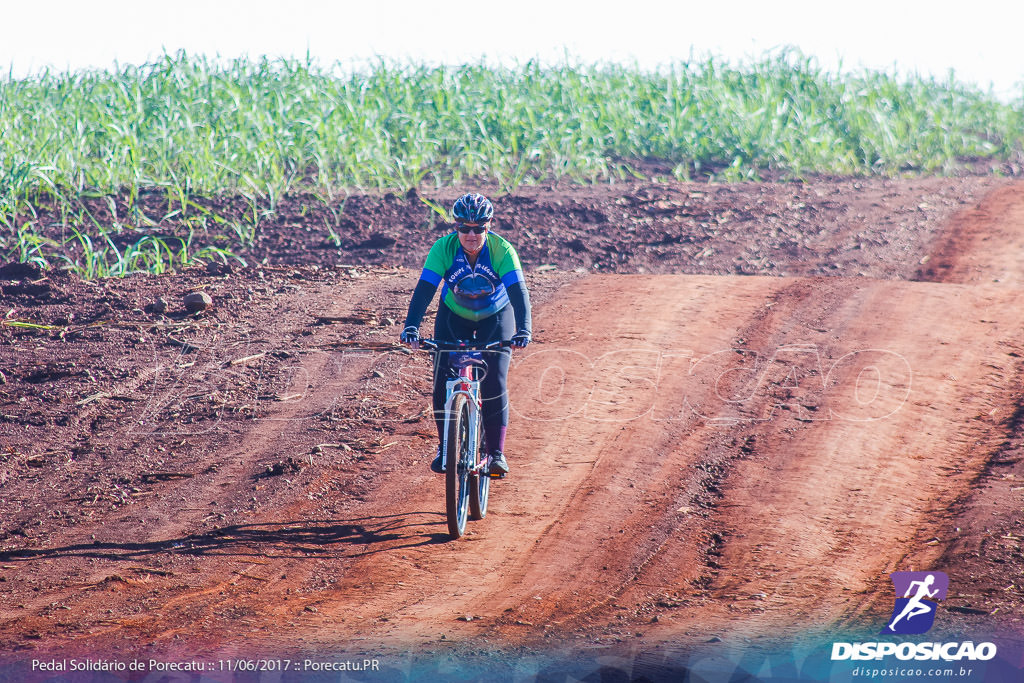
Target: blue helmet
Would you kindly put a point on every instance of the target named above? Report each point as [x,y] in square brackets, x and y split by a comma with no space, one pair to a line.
[472,208]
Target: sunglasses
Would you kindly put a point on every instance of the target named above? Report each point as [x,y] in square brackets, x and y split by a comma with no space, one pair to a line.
[475,228]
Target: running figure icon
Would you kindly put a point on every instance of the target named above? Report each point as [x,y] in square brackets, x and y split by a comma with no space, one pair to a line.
[921,592]
[915,607]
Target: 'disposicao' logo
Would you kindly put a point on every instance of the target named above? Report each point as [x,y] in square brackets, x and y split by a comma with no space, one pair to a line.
[914,612]
[917,598]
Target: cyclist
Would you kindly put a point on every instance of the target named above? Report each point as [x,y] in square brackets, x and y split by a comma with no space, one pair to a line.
[483,297]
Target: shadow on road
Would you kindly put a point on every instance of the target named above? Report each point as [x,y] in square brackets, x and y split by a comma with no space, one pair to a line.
[288,540]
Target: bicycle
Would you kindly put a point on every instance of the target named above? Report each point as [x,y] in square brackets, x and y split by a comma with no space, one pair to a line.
[468,484]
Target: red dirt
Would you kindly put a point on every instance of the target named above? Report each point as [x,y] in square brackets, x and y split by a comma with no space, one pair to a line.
[741,452]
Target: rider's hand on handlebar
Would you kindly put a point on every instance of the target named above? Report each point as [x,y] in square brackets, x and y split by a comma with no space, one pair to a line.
[520,339]
[411,336]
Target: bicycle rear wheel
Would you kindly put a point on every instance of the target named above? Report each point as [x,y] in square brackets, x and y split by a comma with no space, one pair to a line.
[479,486]
[457,465]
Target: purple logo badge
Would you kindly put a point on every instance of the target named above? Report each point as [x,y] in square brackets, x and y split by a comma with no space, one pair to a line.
[917,596]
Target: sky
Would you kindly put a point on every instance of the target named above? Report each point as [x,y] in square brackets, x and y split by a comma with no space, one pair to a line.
[979,40]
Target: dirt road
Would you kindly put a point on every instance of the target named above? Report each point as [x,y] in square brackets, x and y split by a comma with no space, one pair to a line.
[694,457]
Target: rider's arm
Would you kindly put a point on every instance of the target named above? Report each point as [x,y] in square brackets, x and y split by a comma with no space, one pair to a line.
[421,298]
[520,300]
[511,273]
[438,260]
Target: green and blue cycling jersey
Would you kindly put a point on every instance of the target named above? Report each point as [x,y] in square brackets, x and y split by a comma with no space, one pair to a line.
[478,291]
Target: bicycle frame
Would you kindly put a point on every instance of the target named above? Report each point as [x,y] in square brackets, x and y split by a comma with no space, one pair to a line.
[465,384]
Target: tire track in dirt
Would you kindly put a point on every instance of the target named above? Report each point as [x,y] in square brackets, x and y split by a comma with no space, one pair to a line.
[813,524]
[982,244]
[980,531]
[836,498]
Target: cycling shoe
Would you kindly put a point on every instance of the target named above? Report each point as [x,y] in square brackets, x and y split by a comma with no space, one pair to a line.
[499,466]
[437,465]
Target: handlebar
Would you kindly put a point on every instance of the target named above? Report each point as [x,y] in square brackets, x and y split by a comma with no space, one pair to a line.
[462,345]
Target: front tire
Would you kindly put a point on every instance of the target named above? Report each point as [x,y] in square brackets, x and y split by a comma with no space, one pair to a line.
[456,476]
[479,486]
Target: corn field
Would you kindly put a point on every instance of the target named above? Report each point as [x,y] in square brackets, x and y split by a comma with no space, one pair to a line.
[188,128]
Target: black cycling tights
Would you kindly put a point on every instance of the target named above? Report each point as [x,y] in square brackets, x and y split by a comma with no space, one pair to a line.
[494,387]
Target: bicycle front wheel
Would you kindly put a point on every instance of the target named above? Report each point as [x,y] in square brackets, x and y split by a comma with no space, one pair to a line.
[479,485]
[458,453]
